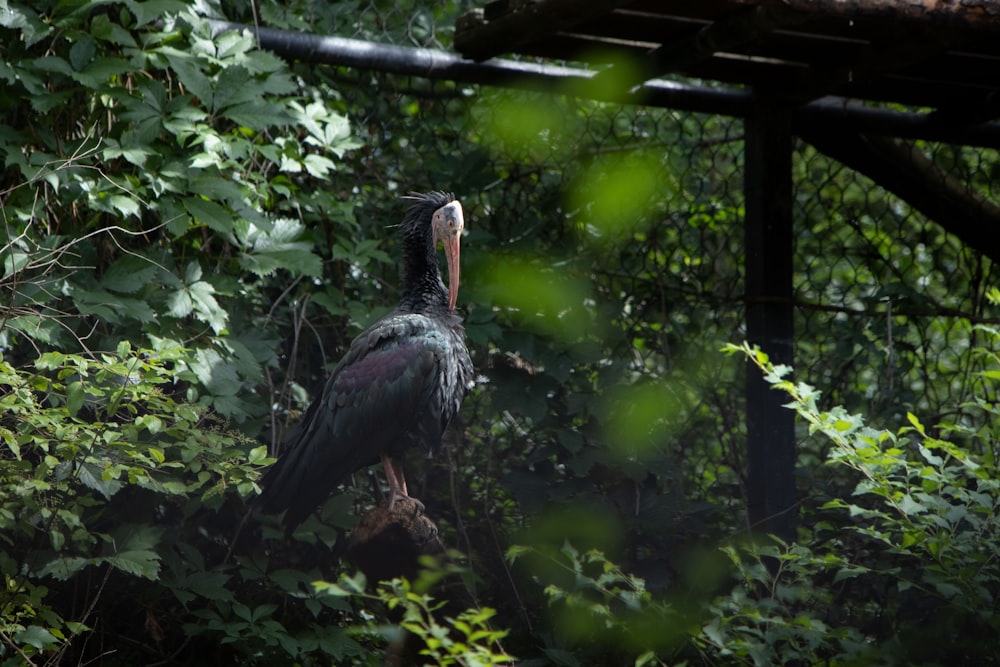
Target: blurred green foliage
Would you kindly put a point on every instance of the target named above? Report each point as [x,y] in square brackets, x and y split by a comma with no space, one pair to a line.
[194,229]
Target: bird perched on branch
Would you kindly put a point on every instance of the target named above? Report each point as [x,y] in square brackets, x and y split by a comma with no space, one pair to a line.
[398,386]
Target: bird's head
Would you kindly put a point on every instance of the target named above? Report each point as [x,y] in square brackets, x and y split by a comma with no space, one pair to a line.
[447,224]
[435,218]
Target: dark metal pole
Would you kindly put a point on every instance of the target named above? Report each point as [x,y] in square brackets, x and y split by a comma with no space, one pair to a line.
[821,114]
[769,246]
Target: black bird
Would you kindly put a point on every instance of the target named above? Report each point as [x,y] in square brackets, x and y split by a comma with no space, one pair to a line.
[398,386]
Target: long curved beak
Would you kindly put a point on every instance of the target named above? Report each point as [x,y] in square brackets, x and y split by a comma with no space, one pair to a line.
[449,222]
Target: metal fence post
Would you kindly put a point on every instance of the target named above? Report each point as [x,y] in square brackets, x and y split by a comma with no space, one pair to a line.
[769,245]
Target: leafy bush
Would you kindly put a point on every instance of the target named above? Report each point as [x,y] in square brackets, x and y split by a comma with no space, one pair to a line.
[902,569]
[906,568]
[101,467]
[161,193]
[170,176]
[467,639]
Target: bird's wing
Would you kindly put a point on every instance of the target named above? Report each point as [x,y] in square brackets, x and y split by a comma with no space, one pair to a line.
[391,390]
[384,394]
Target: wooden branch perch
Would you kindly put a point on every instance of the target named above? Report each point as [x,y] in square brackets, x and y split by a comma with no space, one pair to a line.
[388,544]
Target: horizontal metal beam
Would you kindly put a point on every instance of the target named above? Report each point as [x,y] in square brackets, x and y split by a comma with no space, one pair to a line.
[832,112]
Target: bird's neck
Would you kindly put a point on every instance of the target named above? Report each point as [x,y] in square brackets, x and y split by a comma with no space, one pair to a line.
[423,289]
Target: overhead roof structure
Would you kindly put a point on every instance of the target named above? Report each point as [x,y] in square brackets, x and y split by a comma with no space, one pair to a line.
[941,54]
[852,74]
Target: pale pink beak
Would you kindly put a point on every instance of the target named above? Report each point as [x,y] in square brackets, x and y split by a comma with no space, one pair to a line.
[448,223]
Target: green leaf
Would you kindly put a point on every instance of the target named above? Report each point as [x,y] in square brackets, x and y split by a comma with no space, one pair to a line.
[53,64]
[910,506]
[137,309]
[258,455]
[206,308]
[844,425]
[947,590]
[100,70]
[50,361]
[215,373]
[230,405]
[329,588]
[263,611]
[104,29]
[14,261]
[647,658]
[318,166]
[257,115]
[37,636]
[64,568]
[20,18]
[336,642]
[74,398]
[242,611]
[152,10]
[98,303]
[193,272]
[297,261]
[136,536]
[179,303]
[209,213]
[279,248]
[209,585]
[128,274]
[151,423]
[82,52]
[133,551]
[43,104]
[189,71]
[57,539]
[91,476]
[234,86]
[849,573]
[127,205]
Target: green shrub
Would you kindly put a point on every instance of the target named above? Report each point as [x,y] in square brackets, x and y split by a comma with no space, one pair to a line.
[903,569]
[163,186]
[100,466]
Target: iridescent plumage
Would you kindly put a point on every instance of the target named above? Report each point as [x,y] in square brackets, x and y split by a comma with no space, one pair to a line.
[399,384]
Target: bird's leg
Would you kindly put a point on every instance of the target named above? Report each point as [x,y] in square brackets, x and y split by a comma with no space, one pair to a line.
[397,483]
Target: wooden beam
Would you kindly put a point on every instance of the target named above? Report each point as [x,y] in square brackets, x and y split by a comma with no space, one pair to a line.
[731,32]
[970,15]
[769,244]
[508,24]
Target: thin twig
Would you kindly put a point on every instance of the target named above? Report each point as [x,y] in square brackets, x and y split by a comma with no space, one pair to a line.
[17,648]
